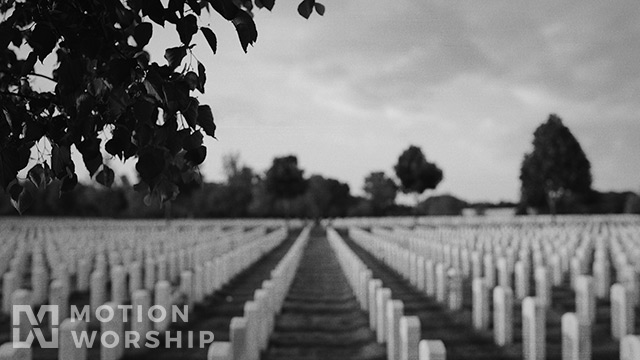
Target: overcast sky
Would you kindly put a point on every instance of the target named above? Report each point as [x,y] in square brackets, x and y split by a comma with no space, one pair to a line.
[467,81]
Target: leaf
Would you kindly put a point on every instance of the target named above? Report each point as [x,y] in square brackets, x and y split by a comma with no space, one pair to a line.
[97,87]
[192,141]
[226,8]
[192,80]
[43,39]
[306,8]
[267,3]
[69,182]
[105,176]
[166,190]
[205,120]
[195,6]
[197,155]
[175,55]
[202,77]
[37,176]
[90,150]
[176,95]
[319,9]
[187,26]
[150,164]
[191,113]
[24,200]
[155,11]
[210,36]
[246,29]
[142,34]
[60,160]
[27,66]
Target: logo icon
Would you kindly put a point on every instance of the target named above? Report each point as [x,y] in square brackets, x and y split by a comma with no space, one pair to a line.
[21,338]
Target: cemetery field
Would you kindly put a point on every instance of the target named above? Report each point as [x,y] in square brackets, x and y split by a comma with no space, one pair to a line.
[370,288]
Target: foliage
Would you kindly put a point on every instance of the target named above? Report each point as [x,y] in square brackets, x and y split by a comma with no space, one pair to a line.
[416,174]
[108,96]
[327,197]
[381,191]
[557,167]
[285,179]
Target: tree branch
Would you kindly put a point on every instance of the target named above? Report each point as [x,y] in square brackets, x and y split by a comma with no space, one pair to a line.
[43,76]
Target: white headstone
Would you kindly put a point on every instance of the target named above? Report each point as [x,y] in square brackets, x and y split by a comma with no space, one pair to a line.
[502,315]
[533,329]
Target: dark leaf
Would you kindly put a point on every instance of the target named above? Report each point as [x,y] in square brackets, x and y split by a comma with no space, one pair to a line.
[192,141]
[155,11]
[195,6]
[202,77]
[267,3]
[305,8]
[176,95]
[37,176]
[142,34]
[43,39]
[211,38]
[187,26]
[69,182]
[34,130]
[105,176]
[176,5]
[192,80]
[319,9]
[197,155]
[246,29]
[150,164]
[90,150]
[97,87]
[24,200]
[191,113]
[226,8]
[205,120]
[60,160]
[175,55]
[84,104]
[166,190]
[145,111]
[27,66]
[121,71]
[14,189]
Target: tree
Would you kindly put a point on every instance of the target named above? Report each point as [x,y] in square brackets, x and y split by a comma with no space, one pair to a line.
[557,167]
[327,197]
[416,174]
[239,186]
[381,191]
[108,95]
[285,180]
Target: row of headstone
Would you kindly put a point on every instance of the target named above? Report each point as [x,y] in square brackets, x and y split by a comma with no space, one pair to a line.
[161,268]
[249,334]
[400,333]
[191,287]
[434,279]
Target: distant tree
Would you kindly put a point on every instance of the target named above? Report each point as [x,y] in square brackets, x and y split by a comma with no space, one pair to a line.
[557,167]
[416,174]
[285,180]
[327,197]
[108,95]
[381,191]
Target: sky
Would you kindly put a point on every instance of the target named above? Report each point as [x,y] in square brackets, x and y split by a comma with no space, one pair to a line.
[467,81]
